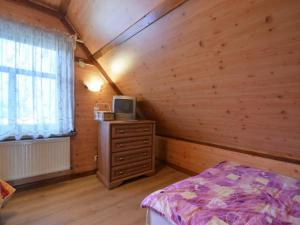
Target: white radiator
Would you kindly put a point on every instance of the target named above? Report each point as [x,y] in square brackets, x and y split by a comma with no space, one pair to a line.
[28,158]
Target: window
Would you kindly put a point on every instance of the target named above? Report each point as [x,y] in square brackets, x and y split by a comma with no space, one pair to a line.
[36,82]
[4,98]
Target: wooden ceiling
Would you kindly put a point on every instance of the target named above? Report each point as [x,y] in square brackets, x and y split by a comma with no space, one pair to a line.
[101,21]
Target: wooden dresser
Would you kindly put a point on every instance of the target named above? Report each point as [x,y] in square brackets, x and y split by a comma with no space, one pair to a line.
[126,150]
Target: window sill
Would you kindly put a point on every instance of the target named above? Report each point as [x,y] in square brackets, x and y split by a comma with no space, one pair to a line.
[71,134]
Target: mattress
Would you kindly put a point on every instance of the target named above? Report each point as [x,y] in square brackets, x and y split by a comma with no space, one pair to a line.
[228,194]
[154,218]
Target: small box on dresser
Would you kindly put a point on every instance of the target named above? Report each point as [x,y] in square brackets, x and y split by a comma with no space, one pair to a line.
[125,150]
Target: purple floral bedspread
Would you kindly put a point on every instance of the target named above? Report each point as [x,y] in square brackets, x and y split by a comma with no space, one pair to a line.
[229,194]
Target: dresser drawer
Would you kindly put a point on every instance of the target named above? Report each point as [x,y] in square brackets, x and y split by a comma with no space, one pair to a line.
[126,157]
[123,144]
[129,170]
[130,130]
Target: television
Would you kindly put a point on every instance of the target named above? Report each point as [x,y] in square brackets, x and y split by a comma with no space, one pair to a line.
[124,107]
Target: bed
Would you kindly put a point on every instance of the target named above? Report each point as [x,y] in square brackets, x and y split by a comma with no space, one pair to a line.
[227,194]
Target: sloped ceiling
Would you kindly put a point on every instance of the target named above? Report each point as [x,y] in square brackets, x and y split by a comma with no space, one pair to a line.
[101,21]
[224,72]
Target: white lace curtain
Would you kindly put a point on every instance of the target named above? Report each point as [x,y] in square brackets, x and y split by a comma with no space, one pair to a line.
[36,82]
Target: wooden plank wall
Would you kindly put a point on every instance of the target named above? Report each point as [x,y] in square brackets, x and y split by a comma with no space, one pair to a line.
[27,15]
[194,158]
[224,72]
[84,143]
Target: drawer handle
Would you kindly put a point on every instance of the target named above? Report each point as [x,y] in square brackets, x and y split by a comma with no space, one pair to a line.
[121,131]
[146,129]
[120,145]
[121,159]
[145,153]
[121,173]
[146,141]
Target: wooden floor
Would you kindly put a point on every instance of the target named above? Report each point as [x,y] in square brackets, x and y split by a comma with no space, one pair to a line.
[85,201]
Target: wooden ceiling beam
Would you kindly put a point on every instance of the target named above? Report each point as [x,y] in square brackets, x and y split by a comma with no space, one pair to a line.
[94,61]
[90,56]
[155,14]
[38,6]
[64,7]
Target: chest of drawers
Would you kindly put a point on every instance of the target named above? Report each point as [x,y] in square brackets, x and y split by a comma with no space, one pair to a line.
[125,150]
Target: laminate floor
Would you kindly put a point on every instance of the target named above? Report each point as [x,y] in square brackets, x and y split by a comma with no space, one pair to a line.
[85,201]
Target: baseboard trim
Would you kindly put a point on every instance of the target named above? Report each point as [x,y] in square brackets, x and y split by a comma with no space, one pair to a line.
[39,178]
[48,179]
[180,169]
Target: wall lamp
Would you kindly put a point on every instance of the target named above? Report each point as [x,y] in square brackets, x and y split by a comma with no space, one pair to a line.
[93,85]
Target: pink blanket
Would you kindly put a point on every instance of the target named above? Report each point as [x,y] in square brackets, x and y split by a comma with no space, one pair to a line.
[229,194]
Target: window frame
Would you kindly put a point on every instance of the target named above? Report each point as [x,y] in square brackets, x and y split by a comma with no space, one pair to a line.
[12,81]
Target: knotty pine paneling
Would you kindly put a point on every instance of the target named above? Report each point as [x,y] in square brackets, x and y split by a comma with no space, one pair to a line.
[197,157]
[101,21]
[224,72]
[84,143]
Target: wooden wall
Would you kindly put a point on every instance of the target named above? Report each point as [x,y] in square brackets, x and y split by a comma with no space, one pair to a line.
[84,143]
[27,15]
[224,72]
[194,158]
